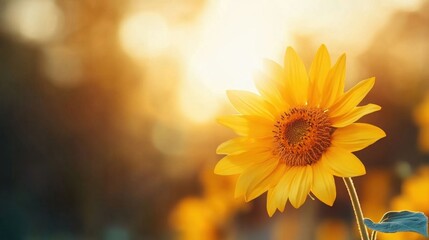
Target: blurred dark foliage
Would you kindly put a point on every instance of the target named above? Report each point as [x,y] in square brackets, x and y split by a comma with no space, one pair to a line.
[65,168]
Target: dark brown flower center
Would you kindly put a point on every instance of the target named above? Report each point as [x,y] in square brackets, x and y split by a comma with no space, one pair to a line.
[302,135]
[296,131]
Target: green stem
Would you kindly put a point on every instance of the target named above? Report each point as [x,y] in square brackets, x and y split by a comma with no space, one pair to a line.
[374,235]
[356,207]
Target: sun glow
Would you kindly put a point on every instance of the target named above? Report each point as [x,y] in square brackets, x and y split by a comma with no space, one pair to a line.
[206,106]
[226,58]
[226,45]
[144,34]
[237,34]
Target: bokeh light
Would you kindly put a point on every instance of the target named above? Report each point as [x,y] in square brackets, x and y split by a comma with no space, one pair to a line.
[144,34]
[63,67]
[33,20]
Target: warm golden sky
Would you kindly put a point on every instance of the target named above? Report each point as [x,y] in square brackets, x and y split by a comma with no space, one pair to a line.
[222,48]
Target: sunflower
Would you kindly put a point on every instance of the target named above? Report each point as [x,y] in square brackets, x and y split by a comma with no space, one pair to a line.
[414,197]
[298,133]
[421,117]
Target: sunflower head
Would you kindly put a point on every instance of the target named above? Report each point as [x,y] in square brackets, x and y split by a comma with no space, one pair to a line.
[298,132]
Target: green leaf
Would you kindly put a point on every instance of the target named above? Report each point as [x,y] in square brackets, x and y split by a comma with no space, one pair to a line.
[403,221]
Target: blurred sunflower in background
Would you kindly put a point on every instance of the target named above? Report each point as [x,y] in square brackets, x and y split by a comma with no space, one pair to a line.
[414,197]
[421,117]
[298,133]
[209,215]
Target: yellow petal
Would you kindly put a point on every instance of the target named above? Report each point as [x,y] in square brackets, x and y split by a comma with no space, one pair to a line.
[323,184]
[282,189]
[351,98]
[238,123]
[275,72]
[252,126]
[252,176]
[354,115]
[268,182]
[235,145]
[356,136]
[318,71]
[243,144]
[334,83]
[227,167]
[342,163]
[271,204]
[249,103]
[269,90]
[296,78]
[300,186]
[236,163]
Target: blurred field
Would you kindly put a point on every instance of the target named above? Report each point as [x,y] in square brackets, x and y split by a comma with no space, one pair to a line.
[107,114]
